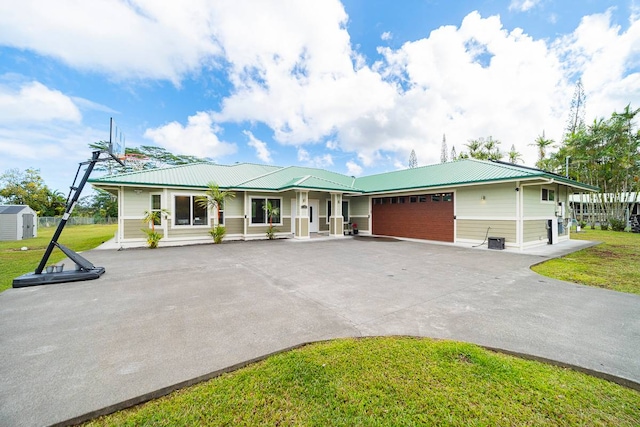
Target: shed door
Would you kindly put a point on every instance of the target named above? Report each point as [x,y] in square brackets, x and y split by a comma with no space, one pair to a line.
[27,226]
[424,216]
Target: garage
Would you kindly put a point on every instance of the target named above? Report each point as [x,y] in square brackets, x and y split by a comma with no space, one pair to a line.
[422,216]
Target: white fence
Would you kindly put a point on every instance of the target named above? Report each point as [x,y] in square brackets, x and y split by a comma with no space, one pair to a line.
[53,221]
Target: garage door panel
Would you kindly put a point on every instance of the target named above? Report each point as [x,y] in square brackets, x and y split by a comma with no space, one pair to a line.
[429,220]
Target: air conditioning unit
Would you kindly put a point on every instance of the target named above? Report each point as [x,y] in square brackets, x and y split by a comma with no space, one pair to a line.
[496,243]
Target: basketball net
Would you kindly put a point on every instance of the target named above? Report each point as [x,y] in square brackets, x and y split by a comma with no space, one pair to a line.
[134,162]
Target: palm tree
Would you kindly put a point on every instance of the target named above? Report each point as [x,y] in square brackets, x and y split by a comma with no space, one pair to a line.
[542,143]
[152,218]
[271,212]
[214,198]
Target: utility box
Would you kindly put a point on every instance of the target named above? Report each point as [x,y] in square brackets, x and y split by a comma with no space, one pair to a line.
[496,243]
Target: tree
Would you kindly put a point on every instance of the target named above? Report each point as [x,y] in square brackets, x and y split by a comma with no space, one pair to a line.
[143,158]
[483,149]
[443,151]
[214,199]
[606,154]
[577,110]
[28,188]
[454,156]
[152,218]
[514,155]
[272,211]
[413,160]
[542,144]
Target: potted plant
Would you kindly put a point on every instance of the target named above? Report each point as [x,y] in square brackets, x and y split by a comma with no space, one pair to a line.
[214,199]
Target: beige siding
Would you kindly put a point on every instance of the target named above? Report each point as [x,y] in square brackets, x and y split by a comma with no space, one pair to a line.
[477,229]
[362,221]
[234,225]
[533,204]
[500,201]
[359,206]
[189,232]
[135,204]
[535,231]
[323,226]
[262,229]
[234,207]
[132,229]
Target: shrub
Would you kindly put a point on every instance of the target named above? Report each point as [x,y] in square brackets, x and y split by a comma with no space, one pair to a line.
[583,224]
[604,225]
[617,224]
[271,232]
[218,232]
[153,238]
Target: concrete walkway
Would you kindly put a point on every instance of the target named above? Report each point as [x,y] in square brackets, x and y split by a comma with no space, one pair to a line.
[168,316]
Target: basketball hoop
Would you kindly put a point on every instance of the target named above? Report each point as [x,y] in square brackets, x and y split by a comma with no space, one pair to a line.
[134,162]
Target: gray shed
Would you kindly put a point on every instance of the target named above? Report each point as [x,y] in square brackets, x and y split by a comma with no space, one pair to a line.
[17,222]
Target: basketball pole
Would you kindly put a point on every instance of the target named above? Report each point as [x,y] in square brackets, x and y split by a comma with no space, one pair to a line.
[70,205]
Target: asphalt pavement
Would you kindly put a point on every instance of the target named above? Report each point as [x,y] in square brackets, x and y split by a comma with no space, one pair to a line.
[159,319]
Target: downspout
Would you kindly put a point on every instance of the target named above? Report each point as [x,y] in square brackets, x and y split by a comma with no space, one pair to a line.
[519,222]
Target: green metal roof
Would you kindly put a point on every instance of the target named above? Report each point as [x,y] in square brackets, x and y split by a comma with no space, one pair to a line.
[459,172]
[301,177]
[247,176]
[197,175]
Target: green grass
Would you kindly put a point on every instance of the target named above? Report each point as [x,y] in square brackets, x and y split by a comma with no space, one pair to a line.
[16,262]
[615,264]
[392,382]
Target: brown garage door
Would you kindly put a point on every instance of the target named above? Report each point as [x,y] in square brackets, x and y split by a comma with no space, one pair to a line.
[424,216]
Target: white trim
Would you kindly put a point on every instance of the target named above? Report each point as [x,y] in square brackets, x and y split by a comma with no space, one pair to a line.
[191,205]
[262,224]
[488,218]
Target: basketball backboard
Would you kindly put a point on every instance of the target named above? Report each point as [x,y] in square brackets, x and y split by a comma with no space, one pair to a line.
[117,142]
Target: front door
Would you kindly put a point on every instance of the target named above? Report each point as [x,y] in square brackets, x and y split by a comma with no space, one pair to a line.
[314,212]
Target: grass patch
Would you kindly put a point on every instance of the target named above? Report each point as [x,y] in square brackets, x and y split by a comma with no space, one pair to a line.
[391,382]
[610,265]
[77,237]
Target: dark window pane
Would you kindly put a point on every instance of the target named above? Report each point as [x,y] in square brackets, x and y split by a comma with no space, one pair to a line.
[183,210]
[435,197]
[400,199]
[447,197]
[422,199]
[199,213]
[413,199]
[155,202]
[257,211]
[345,211]
[275,204]
[221,217]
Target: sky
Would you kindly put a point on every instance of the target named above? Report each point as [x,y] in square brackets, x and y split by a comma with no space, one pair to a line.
[349,86]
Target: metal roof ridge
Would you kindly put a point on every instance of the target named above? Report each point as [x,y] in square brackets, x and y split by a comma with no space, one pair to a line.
[263,175]
[155,169]
[334,182]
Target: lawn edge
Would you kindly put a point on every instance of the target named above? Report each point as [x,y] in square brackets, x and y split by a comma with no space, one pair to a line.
[164,391]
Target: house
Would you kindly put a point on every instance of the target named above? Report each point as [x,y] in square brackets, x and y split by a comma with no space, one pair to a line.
[18,222]
[464,201]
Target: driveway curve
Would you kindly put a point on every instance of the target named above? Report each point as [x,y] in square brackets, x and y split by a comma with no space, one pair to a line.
[169,316]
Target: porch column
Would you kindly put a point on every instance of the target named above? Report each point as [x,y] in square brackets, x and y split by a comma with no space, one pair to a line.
[302,215]
[336,221]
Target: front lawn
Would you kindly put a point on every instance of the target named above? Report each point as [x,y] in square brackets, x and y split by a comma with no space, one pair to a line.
[16,262]
[392,382]
[614,264]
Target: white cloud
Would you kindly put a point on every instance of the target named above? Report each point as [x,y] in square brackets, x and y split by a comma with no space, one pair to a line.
[386,35]
[353,168]
[134,39]
[523,5]
[34,102]
[262,151]
[323,161]
[198,138]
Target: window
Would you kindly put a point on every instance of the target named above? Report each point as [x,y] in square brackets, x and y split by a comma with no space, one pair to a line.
[435,197]
[345,210]
[189,212]
[447,197]
[400,199]
[259,213]
[422,199]
[376,201]
[548,195]
[393,200]
[413,199]
[156,207]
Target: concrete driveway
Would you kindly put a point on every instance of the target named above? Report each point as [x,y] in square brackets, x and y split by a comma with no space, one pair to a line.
[169,316]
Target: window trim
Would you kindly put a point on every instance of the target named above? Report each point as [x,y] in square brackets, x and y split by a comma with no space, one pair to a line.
[549,191]
[266,217]
[193,197]
[152,209]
